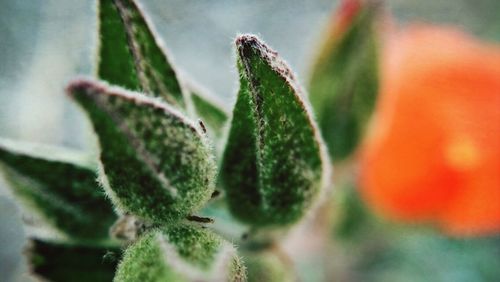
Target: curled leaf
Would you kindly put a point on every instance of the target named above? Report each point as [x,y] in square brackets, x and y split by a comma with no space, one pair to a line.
[273,163]
[58,187]
[156,163]
[180,253]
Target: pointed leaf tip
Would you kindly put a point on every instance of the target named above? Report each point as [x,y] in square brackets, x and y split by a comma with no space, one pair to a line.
[156,163]
[273,163]
[249,45]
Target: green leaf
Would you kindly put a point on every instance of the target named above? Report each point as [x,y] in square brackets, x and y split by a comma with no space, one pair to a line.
[353,217]
[344,83]
[212,115]
[59,262]
[157,164]
[131,54]
[273,163]
[60,187]
[268,266]
[210,111]
[180,253]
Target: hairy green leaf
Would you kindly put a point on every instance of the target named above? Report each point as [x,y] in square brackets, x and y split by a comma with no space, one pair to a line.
[156,163]
[59,262]
[180,253]
[273,162]
[131,54]
[344,83]
[59,186]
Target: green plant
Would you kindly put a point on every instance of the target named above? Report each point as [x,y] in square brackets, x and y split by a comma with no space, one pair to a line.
[344,81]
[159,168]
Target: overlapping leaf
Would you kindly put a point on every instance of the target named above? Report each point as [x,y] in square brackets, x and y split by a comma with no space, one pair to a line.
[209,111]
[60,187]
[156,163]
[180,253]
[131,55]
[59,262]
[273,163]
[344,81]
[213,116]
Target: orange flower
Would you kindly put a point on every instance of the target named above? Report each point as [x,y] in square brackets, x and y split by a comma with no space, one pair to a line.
[433,150]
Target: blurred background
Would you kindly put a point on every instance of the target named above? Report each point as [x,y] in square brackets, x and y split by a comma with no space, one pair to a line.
[43,44]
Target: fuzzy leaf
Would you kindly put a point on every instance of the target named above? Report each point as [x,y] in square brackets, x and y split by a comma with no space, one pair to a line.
[156,163]
[59,186]
[131,54]
[59,262]
[273,162]
[180,253]
[344,81]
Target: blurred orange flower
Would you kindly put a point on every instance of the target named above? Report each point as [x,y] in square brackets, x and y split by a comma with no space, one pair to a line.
[433,150]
